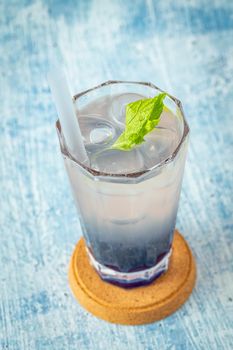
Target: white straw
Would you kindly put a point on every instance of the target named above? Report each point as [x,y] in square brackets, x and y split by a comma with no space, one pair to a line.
[66,113]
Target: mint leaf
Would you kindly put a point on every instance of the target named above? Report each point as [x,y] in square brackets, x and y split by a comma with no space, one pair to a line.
[141,118]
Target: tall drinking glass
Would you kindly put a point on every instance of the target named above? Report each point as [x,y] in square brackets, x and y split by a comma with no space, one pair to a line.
[127,201]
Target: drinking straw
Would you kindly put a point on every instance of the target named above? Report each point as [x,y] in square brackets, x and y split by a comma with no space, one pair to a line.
[66,113]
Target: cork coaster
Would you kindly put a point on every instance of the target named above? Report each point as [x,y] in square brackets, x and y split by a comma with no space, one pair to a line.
[138,305]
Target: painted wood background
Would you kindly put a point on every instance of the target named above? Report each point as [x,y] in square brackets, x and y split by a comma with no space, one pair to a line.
[186,48]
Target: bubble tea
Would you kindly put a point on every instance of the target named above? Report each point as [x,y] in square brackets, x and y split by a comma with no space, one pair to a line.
[127,200]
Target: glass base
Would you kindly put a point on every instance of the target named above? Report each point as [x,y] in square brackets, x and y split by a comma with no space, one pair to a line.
[131,279]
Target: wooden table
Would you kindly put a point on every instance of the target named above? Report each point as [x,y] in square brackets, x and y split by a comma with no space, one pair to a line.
[183,47]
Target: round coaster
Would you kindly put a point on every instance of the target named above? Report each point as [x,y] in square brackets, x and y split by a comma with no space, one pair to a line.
[138,305]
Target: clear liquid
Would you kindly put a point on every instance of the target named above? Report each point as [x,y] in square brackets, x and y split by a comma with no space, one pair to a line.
[128,227]
[102,122]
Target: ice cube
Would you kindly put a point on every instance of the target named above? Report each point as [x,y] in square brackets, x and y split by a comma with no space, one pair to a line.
[96,131]
[159,146]
[119,102]
[118,162]
[169,120]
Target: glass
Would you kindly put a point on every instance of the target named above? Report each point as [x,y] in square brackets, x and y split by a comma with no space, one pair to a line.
[127,219]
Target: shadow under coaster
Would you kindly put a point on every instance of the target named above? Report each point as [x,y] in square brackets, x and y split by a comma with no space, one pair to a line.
[138,305]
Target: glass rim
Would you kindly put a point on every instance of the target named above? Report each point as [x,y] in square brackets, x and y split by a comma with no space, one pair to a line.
[133,175]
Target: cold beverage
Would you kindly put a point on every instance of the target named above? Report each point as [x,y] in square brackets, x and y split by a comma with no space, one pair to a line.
[127,200]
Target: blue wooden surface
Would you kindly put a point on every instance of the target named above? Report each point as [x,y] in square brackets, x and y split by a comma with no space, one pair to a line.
[184,47]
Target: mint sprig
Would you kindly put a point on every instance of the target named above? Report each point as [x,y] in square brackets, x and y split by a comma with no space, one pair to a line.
[141,118]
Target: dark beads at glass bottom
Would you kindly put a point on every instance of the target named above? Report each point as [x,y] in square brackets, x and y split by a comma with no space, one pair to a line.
[138,277]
